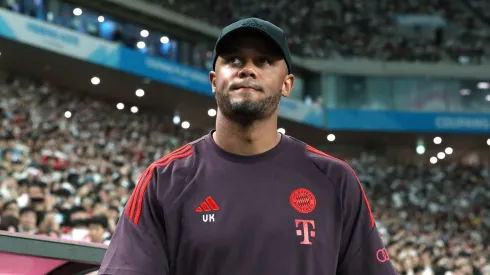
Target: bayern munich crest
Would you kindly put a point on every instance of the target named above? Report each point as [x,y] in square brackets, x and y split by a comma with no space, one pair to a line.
[303,200]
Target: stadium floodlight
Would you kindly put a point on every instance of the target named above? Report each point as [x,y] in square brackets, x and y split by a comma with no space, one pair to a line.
[281,130]
[140,92]
[483,85]
[164,40]
[141,45]
[120,106]
[101,19]
[420,149]
[67,114]
[144,33]
[465,92]
[49,16]
[448,150]
[437,140]
[95,80]
[77,11]
[176,119]
[433,160]
[331,137]
[186,125]
[441,155]
[211,112]
[488,142]
[134,109]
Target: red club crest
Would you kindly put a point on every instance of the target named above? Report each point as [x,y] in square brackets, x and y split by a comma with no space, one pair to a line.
[303,200]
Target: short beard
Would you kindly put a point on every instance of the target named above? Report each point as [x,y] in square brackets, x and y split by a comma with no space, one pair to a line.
[246,113]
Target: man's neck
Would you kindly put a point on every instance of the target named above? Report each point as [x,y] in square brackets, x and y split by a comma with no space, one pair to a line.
[255,139]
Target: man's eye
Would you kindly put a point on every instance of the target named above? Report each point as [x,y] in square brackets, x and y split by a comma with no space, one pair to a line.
[233,60]
[264,61]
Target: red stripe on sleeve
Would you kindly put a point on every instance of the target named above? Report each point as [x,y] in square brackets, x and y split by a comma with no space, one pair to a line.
[316,151]
[137,193]
[183,154]
[130,210]
[129,206]
[138,190]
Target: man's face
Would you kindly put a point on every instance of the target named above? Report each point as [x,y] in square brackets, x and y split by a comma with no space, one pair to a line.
[12,210]
[96,233]
[249,79]
[99,209]
[35,192]
[36,197]
[113,214]
[28,220]
[8,156]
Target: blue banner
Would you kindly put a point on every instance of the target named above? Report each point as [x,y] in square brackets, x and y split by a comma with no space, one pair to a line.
[165,71]
[58,39]
[391,121]
[85,47]
[298,111]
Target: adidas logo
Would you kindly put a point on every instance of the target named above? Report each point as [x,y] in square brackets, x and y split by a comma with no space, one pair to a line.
[206,206]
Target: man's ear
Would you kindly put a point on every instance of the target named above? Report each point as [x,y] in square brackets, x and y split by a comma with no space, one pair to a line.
[212,80]
[287,85]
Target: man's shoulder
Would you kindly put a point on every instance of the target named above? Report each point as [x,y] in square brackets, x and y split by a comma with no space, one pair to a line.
[182,157]
[327,163]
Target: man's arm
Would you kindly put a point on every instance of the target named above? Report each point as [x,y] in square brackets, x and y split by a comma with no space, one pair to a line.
[362,250]
[138,246]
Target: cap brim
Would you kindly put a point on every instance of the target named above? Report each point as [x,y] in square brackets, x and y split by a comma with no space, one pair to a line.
[227,38]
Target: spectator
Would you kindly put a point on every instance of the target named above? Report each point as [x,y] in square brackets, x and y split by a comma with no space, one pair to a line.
[9,223]
[28,221]
[10,208]
[98,227]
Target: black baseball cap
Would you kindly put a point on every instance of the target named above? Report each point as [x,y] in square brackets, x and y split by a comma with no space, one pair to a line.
[265,28]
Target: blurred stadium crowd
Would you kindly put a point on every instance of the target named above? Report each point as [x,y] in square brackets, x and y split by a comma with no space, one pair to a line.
[70,176]
[58,173]
[444,31]
[362,28]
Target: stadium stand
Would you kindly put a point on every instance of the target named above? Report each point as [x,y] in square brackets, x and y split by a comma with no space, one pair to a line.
[450,30]
[59,179]
[360,29]
[43,150]
[480,8]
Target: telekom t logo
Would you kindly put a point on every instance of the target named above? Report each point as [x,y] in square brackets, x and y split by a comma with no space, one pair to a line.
[305,231]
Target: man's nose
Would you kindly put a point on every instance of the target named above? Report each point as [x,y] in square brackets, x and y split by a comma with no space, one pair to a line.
[248,71]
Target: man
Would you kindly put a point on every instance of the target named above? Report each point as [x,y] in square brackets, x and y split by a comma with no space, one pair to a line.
[10,208]
[28,220]
[245,199]
[9,223]
[97,227]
